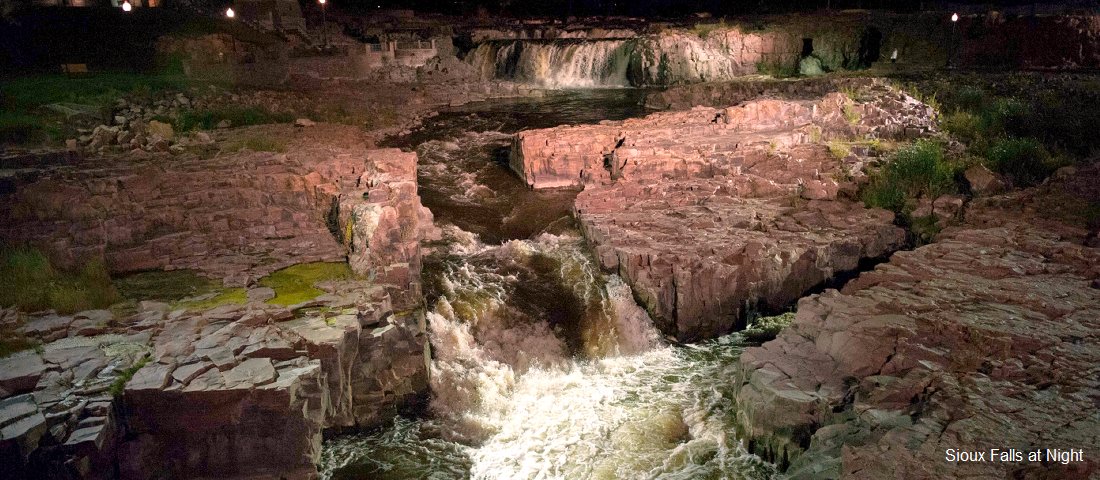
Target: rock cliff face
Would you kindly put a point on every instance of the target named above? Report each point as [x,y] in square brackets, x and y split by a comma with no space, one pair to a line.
[711,212]
[985,339]
[238,390]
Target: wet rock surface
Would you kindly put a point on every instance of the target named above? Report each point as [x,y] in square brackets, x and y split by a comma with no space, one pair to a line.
[237,390]
[709,213]
[984,339]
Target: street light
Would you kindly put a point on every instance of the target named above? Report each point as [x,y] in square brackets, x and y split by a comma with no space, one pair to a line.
[126,7]
[324,22]
[230,13]
[952,50]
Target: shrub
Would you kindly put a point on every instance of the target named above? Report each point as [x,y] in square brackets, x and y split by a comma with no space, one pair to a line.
[1023,160]
[968,98]
[839,150]
[963,125]
[764,329]
[918,170]
[29,281]
[1007,115]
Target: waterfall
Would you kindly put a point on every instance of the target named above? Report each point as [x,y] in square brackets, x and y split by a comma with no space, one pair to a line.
[557,64]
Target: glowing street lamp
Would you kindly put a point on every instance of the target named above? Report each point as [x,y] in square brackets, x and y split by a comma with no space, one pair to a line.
[126,7]
[953,49]
[954,17]
[324,22]
[229,13]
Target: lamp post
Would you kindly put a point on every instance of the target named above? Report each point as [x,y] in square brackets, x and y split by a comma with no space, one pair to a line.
[324,22]
[126,6]
[952,50]
[229,13]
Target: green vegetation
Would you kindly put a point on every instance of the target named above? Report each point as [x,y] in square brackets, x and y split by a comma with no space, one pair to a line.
[124,376]
[764,329]
[703,30]
[208,119]
[1023,160]
[30,282]
[915,171]
[226,296]
[839,150]
[13,342]
[24,120]
[297,284]
[164,286]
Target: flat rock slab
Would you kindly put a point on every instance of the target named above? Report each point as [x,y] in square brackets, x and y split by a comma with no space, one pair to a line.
[985,339]
[711,212]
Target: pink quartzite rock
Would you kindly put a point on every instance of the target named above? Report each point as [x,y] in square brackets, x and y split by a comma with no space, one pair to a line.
[709,212]
[985,339]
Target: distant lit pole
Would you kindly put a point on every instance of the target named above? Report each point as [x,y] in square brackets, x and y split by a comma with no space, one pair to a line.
[952,50]
[324,22]
[229,13]
[126,7]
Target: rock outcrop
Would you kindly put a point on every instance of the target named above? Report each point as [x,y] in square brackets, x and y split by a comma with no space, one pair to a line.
[710,213]
[985,339]
[234,391]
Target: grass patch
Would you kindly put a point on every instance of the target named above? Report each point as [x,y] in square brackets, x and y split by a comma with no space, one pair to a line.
[23,120]
[765,329]
[12,343]
[915,171]
[124,377]
[839,150]
[703,30]
[164,286]
[29,282]
[1025,161]
[209,119]
[297,283]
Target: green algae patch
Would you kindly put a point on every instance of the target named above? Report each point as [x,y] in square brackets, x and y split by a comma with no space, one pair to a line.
[227,296]
[298,283]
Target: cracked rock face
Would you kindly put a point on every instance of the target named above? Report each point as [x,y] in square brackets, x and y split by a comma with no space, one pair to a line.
[985,339]
[711,212]
[234,391]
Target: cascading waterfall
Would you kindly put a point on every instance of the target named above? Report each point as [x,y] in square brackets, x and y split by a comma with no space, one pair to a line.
[557,64]
[543,366]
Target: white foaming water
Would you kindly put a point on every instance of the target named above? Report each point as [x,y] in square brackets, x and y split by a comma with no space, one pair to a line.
[513,400]
[573,64]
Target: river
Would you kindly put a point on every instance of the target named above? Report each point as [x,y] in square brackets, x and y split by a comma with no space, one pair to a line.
[543,366]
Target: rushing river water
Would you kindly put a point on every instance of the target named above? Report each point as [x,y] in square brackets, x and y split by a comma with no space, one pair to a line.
[543,367]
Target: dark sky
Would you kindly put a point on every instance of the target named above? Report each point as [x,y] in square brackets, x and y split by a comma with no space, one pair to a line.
[671,8]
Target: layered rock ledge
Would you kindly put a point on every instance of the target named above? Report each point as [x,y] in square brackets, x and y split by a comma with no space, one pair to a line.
[710,213]
[986,339]
[235,391]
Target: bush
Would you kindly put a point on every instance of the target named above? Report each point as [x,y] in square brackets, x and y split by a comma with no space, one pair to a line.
[1007,115]
[765,329]
[29,282]
[963,125]
[918,170]
[1023,160]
